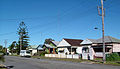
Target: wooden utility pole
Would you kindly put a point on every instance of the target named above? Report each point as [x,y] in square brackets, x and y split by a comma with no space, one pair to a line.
[103,37]
[104,56]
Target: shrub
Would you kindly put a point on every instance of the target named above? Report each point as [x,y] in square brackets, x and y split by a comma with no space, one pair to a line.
[2,53]
[113,57]
[43,53]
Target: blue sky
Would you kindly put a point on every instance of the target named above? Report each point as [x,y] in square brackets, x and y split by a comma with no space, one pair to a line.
[57,19]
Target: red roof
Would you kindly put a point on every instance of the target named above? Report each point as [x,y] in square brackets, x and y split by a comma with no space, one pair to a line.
[73,42]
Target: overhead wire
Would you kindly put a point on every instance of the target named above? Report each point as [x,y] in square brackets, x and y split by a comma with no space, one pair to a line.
[49,22]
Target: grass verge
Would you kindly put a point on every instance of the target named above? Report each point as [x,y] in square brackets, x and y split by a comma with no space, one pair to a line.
[96,61]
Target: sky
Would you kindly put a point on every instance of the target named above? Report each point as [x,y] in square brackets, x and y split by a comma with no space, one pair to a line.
[57,19]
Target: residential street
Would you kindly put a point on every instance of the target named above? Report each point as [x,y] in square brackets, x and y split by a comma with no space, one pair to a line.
[32,63]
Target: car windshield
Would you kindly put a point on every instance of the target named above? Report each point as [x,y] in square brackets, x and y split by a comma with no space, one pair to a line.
[27,51]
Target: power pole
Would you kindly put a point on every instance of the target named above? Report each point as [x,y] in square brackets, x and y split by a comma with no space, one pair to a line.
[5,46]
[104,56]
[103,37]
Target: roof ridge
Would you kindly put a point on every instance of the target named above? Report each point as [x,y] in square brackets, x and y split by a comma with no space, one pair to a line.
[72,39]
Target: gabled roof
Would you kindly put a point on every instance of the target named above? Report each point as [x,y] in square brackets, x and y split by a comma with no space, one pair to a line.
[49,46]
[109,39]
[39,48]
[73,42]
[40,45]
[55,42]
[32,46]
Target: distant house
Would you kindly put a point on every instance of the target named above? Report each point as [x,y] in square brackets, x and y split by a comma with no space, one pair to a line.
[33,49]
[52,47]
[93,48]
[69,46]
[39,49]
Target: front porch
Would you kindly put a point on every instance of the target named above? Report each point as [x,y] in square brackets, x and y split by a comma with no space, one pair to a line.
[67,50]
[91,52]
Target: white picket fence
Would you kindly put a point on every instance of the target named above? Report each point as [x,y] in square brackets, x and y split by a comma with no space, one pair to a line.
[75,56]
[99,54]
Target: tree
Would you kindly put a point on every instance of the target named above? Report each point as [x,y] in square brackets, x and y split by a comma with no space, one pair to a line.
[48,41]
[1,47]
[23,36]
[12,46]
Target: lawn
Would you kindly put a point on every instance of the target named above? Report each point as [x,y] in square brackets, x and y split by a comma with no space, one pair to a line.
[96,61]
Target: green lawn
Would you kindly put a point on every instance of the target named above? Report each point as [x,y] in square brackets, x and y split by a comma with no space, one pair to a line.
[96,61]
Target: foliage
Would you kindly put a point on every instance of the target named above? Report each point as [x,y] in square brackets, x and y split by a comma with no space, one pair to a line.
[1,47]
[2,53]
[24,38]
[2,50]
[43,53]
[48,41]
[13,47]
[113,57]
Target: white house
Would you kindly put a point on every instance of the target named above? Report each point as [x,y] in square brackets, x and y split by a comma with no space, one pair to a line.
[33,49]
[69,46]
[93,48]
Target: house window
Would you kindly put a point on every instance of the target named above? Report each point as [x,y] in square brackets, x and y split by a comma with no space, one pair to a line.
[61,51]
[98,49]
[85,50]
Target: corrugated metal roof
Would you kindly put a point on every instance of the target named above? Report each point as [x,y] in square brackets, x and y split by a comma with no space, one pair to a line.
[108,39]
[34,46]
[39,48]
[49,46]
[56,42]
[93,40]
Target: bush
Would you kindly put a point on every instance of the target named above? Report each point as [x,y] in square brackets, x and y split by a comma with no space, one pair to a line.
[2,53]
[43,53]
[113,57]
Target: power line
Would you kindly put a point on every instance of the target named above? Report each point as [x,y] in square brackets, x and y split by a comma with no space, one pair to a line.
[43,25]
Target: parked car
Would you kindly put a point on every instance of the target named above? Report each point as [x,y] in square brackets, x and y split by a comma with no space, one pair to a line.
[25,53]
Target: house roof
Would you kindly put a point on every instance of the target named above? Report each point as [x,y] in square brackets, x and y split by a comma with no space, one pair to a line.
[73,42]
[109,39]
[39,48]
[33,47]
[40,45]
[93,40]
[49,46]
[55,42]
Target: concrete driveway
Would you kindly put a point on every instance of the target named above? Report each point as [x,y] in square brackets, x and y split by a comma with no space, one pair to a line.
[32,63]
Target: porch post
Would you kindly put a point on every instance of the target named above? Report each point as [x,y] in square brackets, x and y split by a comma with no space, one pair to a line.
[49,50]
[53,50]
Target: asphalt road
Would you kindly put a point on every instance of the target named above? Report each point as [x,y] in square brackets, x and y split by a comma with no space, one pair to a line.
[32,63]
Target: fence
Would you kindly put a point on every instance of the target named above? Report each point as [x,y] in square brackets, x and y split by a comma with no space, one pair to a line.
[75,56]
[99,54]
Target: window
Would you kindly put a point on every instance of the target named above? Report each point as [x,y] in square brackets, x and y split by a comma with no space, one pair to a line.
[85,50]
[27,51]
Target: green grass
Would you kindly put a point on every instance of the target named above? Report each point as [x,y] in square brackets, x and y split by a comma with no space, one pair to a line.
[96,61]
[112,63]
[14,55]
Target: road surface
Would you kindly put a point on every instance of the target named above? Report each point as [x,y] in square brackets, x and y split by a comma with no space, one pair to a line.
[33,63]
